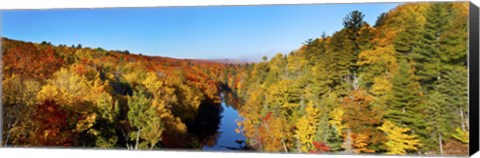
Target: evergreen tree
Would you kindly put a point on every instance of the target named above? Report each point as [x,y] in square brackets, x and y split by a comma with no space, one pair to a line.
[447,108]
[338,59]
[406,40]
[380,20]
[326,132]
[366,36]
[427,52]
[353,23]
[453,41]
[438,117]
[404,105]
[453,86]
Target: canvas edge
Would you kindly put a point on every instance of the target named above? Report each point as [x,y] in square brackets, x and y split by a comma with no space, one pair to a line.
[473,78]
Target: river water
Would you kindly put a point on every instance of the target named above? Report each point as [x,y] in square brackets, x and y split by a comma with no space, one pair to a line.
[227,138]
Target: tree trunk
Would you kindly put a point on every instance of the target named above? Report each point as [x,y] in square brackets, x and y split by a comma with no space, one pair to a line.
[467,122]
[440,143]
[298,146]
[462,120]
[284,146]
[302,102]
[8,135]
[137,139]
[348,142]
[355,80]
[6,139]
[126,137]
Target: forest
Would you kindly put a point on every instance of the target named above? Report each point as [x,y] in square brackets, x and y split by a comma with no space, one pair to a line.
[85,97]
[398,86]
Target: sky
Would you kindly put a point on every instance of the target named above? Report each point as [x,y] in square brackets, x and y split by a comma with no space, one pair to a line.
[212,32]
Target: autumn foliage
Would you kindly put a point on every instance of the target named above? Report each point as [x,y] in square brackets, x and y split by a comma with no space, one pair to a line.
[398,87]
[81,96]
[52,126]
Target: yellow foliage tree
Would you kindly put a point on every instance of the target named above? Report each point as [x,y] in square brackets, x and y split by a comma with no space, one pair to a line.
[249,125]
[105,106]
[381,86]
[336,121]
[72,92]
[134,73]
[360,144]
[282,94]
[399,142]
[274,133]
[67,89]
[19,91]
[461,135]
[18,96]
[380,61]
[307,127]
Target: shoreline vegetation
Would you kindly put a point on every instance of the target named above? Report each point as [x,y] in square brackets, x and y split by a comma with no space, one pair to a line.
[398,86]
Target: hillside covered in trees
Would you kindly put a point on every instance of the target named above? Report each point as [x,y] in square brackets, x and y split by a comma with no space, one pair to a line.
[398,86]
[74,96]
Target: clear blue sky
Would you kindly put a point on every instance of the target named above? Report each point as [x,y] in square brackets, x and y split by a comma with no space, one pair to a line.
[186,32]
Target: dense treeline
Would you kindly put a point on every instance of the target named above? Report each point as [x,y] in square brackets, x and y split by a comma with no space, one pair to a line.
[398,87]
[84,97]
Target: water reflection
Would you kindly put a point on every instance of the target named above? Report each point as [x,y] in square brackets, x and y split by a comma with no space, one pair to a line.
[206,124]
[227,138]
[214,125]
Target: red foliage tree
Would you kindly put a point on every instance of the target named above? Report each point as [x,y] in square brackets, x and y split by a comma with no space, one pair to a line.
[320,147]
[27,60]
[51,126]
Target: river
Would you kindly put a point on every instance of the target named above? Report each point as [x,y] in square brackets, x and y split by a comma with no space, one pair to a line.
[227,138]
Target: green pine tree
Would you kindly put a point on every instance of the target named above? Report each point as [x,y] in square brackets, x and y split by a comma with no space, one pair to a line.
[353,24]
[438,118]
[453,87]
[427,53]
[406,40]
[404,105]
